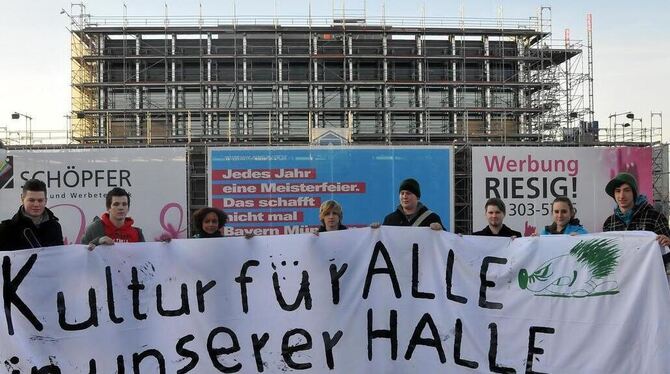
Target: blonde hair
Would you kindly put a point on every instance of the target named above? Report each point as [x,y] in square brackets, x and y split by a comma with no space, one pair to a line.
[327,207]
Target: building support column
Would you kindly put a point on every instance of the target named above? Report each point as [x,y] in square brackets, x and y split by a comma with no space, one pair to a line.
[487,77]
[173,90]
[102,90]
[138,90]
[386,122]
[245,93]
[280,91]
[209,104]
[350,88]
[452,90]
[419,89]
[522,101]
[315,78]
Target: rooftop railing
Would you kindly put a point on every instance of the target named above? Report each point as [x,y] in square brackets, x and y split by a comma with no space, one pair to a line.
[395,21]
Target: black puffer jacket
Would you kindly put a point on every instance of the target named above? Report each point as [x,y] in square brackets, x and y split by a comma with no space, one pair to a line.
[398,218]
[21,233]
[504,232]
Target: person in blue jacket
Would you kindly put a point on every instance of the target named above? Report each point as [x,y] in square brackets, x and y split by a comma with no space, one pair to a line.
[565,222]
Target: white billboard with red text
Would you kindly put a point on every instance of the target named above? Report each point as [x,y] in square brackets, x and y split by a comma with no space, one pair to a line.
[528,179]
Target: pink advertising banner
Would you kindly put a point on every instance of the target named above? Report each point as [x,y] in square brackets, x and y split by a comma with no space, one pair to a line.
[78,181]
[528,179]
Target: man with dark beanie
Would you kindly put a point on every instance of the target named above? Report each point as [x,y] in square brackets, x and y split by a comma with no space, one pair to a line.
[633,212]
[411,212]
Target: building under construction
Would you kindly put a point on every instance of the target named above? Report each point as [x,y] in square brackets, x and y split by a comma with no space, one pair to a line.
[345,79]
[285,81]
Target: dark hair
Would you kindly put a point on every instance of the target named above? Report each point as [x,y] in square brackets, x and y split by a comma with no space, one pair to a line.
[565,199]
[34,185]
[200,214]
[116,191]
[497,202]
[553,228]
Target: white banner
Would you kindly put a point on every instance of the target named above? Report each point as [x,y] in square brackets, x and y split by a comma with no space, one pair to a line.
[528,179]
[390,300]
[78,181]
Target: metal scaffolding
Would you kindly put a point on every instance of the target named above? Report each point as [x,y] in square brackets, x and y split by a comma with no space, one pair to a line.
[280,80]
[363,80]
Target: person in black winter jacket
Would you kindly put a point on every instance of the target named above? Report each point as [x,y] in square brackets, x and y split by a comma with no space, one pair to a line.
[33,226]
[495,214]
[411,212]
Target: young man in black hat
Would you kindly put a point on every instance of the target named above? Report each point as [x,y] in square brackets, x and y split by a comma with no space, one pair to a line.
[411,212]
[633,212]
[34,225]
[495,213]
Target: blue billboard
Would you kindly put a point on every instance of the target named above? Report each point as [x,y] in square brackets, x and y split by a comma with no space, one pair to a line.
[278,190]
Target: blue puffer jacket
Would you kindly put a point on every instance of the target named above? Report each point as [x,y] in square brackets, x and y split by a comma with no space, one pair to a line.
[571,228]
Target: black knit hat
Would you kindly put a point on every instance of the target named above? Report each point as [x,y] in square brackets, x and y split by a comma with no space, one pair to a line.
[411,185]
[620,179]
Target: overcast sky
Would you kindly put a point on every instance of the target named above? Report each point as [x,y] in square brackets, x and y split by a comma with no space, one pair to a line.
[630,40]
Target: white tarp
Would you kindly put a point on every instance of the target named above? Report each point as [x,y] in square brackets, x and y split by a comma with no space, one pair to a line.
[390,300]
[78,181]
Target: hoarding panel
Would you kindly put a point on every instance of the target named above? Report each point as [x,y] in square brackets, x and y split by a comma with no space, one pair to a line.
[528,179]
[78,181]
[279,190]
